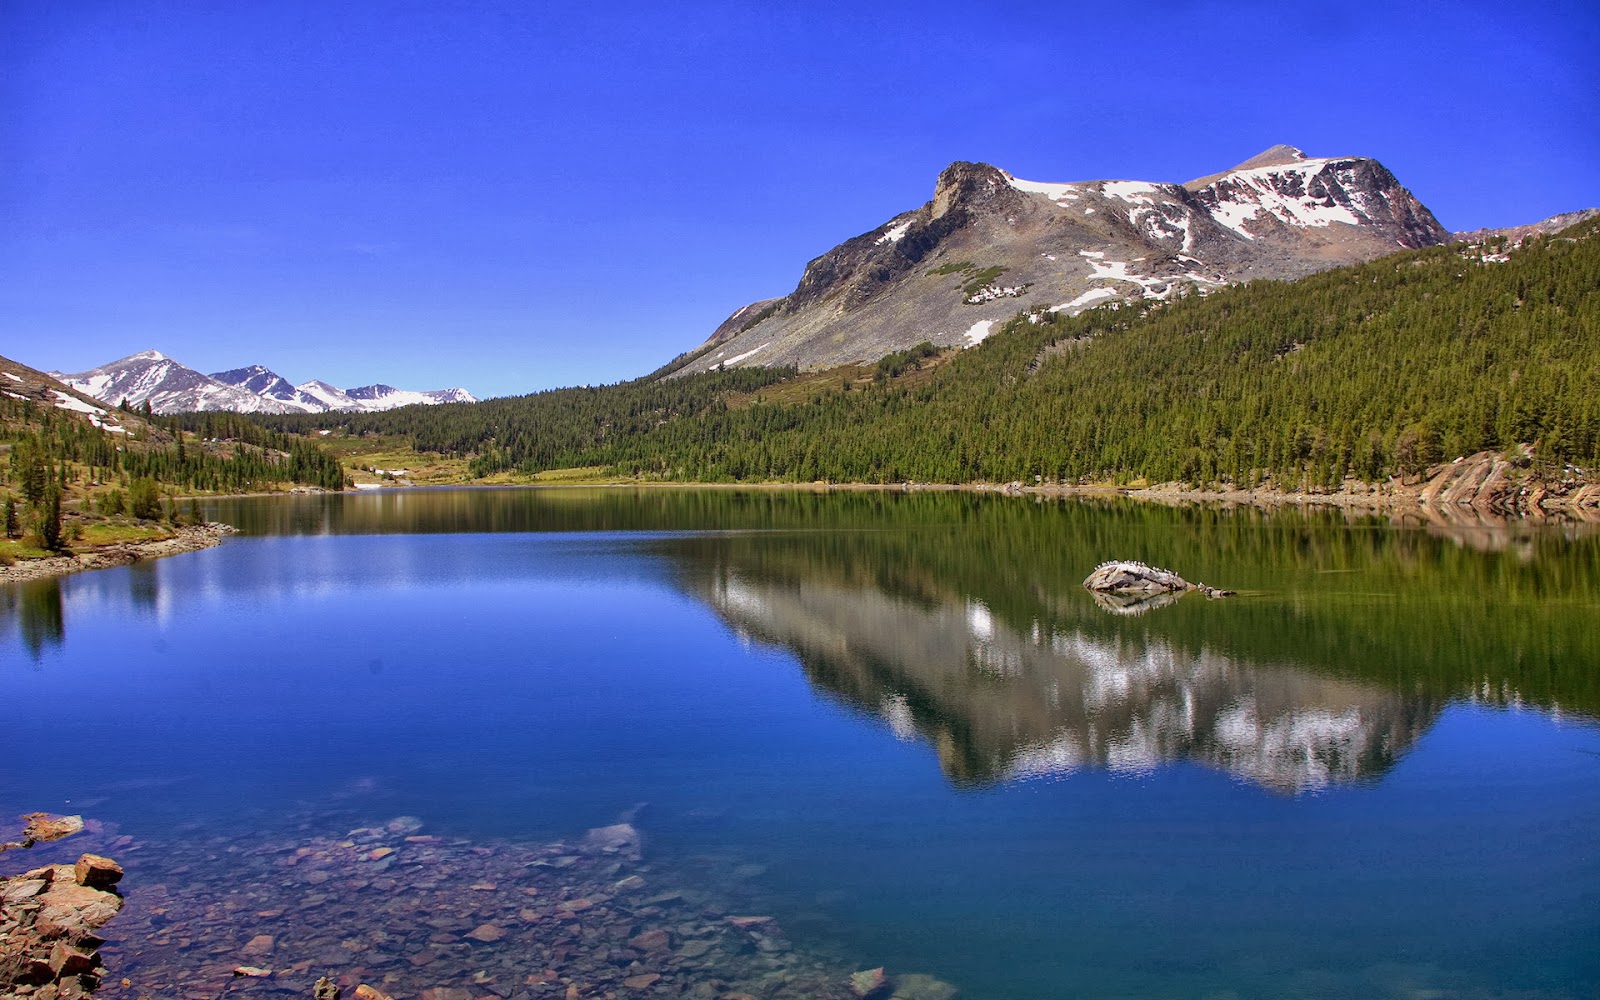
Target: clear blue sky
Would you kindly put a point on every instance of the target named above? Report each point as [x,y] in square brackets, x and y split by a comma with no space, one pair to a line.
[513,196]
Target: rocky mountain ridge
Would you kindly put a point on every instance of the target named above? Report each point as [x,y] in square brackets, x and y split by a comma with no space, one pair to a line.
[172,387]
[989,245]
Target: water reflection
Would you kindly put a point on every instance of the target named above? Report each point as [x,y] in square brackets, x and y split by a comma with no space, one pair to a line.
[33,609]
[999,703]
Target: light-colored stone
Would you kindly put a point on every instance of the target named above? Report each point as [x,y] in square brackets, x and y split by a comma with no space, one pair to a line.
[486,933]
[42,827]
[1127,577]
[868,981]
[619,838]
[916,986]
[261,944]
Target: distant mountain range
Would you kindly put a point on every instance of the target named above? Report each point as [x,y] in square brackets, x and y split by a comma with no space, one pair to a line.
[990,245]
[171,387]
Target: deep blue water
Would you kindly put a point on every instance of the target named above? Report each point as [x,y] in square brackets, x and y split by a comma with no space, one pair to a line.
[946,758]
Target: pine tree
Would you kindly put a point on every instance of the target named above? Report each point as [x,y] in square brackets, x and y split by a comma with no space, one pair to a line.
[50,518]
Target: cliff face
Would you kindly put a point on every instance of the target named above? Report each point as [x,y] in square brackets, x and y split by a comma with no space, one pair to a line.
[988,245]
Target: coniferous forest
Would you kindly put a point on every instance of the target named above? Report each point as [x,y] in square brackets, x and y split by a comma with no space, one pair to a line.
[1365,372]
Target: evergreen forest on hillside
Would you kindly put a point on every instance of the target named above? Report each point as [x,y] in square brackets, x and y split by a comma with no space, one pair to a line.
[1369,371]
[56,458]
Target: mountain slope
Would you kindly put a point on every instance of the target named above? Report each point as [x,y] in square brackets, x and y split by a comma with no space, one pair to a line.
[989,245]
[171,387]
[1351,376]
[167,385]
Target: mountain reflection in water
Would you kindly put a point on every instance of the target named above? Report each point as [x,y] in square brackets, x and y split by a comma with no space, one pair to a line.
[999,703]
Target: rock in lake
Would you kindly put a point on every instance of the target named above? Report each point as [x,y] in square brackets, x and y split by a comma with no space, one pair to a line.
[1119,577]
[619,838]
[867,982]
[97,872]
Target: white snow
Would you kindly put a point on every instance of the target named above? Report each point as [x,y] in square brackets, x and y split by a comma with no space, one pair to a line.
[1055,192]
[14,395]
[1139,192]
[1116,270]
[894,235]
[1245,194]
[979,332]
[75,404]
[1234,215]
[1085,300]
[14,378]
[740,357]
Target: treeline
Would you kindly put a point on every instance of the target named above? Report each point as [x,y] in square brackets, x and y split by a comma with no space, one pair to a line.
[561,428]
[1366,372]
[237,455]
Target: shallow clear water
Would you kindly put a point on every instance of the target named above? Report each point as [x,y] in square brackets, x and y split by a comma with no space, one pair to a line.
[1374,773]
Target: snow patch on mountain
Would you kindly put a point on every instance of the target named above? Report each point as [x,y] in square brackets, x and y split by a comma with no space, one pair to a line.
[896,234]
[1086,300]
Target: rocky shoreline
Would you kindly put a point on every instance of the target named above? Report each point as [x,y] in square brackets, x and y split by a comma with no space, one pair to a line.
[50,917]
[187,539]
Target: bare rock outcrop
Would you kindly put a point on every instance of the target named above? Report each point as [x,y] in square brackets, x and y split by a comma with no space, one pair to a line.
[1135,579]
[48,922]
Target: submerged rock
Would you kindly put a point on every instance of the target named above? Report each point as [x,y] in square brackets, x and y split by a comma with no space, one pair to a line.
[619,838]
[868,982]
[917,986]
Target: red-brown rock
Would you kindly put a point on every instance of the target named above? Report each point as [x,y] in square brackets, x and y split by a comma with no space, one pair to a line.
[655,939]
[97,872]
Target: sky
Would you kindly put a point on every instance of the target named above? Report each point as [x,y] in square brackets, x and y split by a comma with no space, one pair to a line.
[513,196]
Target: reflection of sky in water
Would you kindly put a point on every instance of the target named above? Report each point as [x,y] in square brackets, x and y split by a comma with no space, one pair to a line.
[527,685]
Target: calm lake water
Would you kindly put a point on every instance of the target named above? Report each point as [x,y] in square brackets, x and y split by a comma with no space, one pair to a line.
[895,723]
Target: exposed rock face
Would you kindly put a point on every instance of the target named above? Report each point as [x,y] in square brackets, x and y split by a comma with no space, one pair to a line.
[989,245]
[1516,234]
[48,920]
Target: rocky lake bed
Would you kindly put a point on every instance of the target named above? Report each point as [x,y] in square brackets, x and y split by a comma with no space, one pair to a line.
[389,910]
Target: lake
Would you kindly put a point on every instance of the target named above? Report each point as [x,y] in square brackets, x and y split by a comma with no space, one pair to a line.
[894,724]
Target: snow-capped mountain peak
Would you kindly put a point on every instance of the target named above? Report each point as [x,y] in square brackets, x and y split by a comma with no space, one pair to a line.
[171,387]
[989,245]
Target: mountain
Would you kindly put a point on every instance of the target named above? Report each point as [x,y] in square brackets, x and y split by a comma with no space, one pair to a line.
[387,397]
[171,387]
[18,381]
[167,385]
[990,245]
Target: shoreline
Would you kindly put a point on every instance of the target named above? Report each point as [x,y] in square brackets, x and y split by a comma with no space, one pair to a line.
[1582,504]
[190,538]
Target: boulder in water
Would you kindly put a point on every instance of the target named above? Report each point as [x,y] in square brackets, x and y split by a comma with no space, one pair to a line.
[1121,577]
